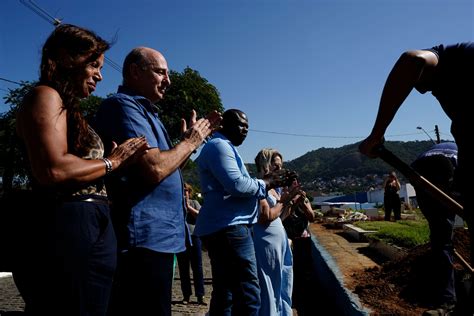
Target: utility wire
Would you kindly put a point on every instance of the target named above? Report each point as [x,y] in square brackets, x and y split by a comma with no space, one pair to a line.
[11,81]
[30,4]
[113,64]
[326,136]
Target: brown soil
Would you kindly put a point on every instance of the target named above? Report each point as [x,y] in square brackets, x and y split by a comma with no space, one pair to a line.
[403,286]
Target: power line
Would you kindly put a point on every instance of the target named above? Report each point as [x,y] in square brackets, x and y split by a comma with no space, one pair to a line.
[113,64]
[30,4]
[326,136]
[11,81]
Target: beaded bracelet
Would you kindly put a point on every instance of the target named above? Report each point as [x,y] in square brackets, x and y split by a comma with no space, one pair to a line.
[108,165]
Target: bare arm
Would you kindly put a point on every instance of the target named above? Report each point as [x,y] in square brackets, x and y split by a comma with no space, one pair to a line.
[412,68]
[191,210]
[158,164]
[42,125]
[267,213]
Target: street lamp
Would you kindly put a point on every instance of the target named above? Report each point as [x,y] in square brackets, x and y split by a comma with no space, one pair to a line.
[419,127]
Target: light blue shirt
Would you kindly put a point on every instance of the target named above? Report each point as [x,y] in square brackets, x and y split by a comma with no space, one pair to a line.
[230,194]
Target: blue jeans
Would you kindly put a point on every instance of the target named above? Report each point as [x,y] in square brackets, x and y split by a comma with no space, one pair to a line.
[235,284]
[192,256]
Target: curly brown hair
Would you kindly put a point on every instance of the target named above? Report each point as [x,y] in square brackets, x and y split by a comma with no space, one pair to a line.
[66,53]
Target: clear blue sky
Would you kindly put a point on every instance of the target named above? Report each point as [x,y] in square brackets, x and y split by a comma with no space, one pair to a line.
[306,67]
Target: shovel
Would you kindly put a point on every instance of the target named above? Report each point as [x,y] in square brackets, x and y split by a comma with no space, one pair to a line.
[419,181]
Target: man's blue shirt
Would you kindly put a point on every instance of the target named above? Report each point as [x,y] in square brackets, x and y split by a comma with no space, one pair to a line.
[156,219]
[230,194]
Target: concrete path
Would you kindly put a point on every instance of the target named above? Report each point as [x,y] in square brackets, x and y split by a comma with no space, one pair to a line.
[351,257]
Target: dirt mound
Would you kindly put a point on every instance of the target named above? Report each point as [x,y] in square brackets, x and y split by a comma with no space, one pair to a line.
[404,286]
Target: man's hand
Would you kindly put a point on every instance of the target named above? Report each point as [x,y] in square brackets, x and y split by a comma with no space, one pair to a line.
[192,121]
[199,130]
[214,119]
[369,145]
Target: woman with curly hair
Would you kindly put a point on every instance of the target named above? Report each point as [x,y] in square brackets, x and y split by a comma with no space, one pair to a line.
[70,258]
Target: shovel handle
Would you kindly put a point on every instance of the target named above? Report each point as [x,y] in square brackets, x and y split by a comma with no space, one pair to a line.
[463,261]
[419,181]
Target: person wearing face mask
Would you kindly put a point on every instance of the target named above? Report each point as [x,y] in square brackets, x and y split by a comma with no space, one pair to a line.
[70,252]
[148,204]
[225,221]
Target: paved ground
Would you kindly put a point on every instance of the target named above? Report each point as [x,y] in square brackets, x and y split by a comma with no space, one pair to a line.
[350,257]
[11,302]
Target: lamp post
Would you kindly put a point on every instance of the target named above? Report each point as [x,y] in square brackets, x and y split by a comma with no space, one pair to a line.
[419,127]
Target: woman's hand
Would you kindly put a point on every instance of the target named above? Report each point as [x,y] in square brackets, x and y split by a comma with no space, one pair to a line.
[129,150]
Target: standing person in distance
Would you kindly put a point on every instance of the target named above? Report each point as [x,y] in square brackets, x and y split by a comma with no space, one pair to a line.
[225,221]
[448,72]
[391,197]
[148,203]
[192,257]
[71,258]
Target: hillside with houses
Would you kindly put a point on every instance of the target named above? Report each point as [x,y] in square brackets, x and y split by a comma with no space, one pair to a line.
[343,174]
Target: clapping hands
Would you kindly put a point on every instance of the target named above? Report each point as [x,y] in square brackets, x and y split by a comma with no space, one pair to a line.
[279,178]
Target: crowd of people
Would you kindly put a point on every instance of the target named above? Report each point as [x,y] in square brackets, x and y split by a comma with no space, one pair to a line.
[115,210]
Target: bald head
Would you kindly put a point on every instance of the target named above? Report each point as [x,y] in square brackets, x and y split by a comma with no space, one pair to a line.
[145,71]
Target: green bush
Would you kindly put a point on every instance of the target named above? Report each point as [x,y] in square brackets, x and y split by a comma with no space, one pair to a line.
[407,234]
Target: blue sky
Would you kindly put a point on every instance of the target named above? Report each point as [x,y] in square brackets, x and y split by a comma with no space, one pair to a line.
[308,73]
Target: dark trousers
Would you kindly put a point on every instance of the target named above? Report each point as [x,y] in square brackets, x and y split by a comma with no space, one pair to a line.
[191,257]
[304,278]
[143,283]
[441,223]
[69,267]
[464,175]
[235,284]
[391,203]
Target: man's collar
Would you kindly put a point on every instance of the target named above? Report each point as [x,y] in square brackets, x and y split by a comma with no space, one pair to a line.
[141,99]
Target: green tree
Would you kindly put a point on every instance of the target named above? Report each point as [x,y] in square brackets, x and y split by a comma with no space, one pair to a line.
[12,164]
[89,106]
[188,91]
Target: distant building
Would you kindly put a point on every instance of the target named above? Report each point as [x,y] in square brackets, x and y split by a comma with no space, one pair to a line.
[407,195]
[371,197]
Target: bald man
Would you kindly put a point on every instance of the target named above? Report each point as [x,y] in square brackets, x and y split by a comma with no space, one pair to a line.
[147,197]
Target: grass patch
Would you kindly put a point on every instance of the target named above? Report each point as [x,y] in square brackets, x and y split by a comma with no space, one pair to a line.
[407,234]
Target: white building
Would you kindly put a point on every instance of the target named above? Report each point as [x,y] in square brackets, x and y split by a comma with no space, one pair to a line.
[407,195]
